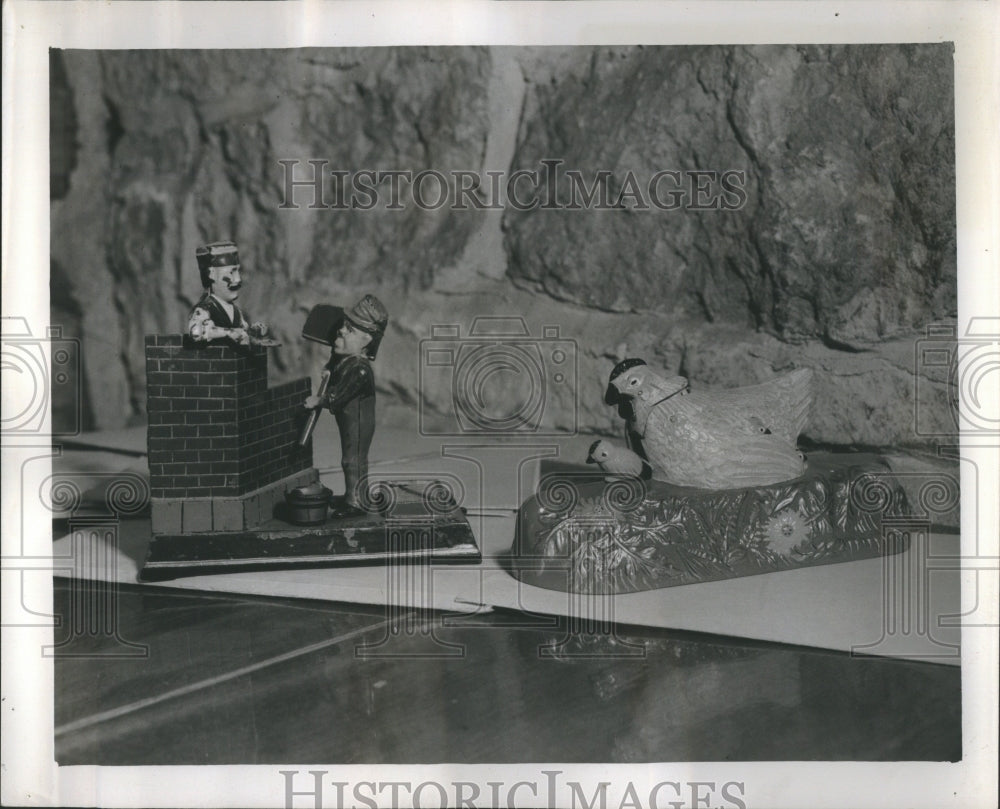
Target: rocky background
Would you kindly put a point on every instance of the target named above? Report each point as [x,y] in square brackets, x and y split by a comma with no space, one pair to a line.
[841,256]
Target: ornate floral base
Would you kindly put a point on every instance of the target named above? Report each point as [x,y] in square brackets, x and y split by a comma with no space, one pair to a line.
[591,534]
[401,526]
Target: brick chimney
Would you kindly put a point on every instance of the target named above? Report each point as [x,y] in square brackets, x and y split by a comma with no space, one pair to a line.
[223,447]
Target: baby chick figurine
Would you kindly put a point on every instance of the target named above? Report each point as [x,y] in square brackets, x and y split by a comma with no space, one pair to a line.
[727,439]
[618,461]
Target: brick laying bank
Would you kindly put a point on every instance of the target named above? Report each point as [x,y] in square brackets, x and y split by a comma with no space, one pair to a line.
[224,451]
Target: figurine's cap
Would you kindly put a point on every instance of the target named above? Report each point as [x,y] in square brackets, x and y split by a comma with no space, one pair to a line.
[369,315]
[611,394]
[624,365]
[217,254]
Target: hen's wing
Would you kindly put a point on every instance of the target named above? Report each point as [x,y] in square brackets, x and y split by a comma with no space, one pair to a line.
[758,461]
[780,405]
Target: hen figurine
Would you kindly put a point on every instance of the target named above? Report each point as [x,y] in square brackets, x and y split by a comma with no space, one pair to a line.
[721,440]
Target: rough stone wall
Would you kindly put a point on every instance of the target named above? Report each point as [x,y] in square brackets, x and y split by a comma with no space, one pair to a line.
[842,254]
[847,233]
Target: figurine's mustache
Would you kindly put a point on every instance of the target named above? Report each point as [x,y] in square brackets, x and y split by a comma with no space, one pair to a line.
[235,287]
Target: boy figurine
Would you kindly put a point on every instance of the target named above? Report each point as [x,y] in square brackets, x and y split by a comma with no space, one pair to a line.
[350,394]
[216,314]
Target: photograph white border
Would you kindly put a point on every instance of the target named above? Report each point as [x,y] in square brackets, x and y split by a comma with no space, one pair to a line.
[30,28]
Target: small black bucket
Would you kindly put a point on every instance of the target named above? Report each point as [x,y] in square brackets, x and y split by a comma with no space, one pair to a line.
[308,505]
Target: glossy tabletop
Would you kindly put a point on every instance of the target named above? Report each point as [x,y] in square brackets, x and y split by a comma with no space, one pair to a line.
[208,678]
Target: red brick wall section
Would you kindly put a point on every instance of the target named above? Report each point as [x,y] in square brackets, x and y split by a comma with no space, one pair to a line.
[215,428]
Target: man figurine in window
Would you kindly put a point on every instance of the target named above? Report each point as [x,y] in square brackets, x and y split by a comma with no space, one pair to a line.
[216,315]
[350,392]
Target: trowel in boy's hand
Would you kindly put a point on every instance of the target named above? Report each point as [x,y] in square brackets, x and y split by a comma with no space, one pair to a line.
[321,326]
[310,424]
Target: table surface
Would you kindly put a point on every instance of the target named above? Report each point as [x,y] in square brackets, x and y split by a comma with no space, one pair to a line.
[233,679]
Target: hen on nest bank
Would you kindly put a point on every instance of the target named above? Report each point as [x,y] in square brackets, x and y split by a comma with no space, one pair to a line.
[723,439]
